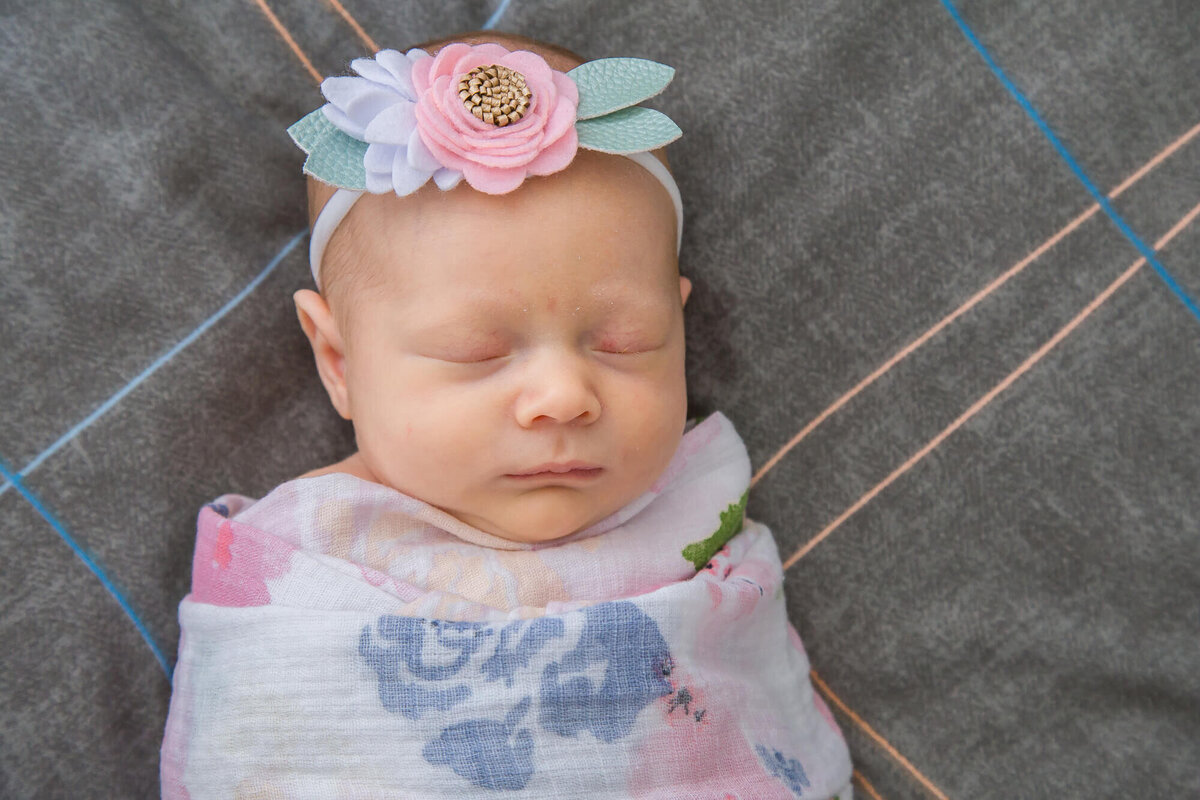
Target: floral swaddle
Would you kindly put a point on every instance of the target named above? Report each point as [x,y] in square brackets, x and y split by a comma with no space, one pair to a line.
[343,640]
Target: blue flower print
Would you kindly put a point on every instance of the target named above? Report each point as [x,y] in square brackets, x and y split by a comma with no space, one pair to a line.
[636,661]
[399,661]
[788,770]
[598,683]
[486,752]
[508,657]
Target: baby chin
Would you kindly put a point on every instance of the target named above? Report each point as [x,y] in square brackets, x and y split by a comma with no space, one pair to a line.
[544,510]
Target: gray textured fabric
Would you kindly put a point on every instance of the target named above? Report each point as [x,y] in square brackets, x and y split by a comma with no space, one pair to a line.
[1017,614]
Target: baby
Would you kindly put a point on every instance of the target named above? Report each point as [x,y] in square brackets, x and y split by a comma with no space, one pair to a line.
[534,577]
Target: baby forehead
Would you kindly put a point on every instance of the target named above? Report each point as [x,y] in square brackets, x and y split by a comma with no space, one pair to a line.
[457,248]
[565,296]
[592,236]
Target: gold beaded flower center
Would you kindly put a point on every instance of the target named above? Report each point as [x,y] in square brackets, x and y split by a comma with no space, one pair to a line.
[495,94]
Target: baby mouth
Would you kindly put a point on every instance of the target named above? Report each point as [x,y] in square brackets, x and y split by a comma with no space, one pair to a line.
[571,470]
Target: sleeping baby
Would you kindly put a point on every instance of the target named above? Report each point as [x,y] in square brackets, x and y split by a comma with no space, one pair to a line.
[534,577]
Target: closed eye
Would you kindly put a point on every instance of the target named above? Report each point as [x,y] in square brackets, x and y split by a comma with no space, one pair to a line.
[469,359]
[463,355]
[625,351]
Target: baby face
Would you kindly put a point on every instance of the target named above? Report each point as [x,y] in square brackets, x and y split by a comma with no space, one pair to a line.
[518,360]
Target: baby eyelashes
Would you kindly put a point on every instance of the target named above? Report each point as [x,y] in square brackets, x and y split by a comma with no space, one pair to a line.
[467,360]
[466,353]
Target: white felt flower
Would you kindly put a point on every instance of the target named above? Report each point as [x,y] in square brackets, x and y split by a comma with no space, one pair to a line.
[378,108]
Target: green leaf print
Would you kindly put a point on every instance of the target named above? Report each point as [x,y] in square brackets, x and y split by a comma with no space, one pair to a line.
[700,552]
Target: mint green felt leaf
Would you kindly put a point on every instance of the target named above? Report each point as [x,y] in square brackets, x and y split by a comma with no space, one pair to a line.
[630,130]
[339,162]
[610,84]
[700,553]
[333,156]
[309,129]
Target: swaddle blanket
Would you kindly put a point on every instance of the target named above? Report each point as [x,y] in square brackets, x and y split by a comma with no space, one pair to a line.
[343,640]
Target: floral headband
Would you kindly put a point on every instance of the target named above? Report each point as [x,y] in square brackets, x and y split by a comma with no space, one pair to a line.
[479,113]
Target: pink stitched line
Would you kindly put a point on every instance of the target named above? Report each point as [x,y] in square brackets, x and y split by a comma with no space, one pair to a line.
[353,23]
[287,37]
[969,304]
[997,389]
[865,785]
[879,740]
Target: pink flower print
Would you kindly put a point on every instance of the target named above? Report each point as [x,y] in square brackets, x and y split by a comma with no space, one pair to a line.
[233,562]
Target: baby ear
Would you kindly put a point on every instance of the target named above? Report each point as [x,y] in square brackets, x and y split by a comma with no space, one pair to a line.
[685,289]
[328,347]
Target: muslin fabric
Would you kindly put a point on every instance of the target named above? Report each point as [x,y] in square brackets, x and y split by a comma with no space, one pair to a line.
[345,640]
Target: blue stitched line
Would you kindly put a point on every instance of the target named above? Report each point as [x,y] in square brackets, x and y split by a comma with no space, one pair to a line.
[87,559]
[163,359]
[1147,252]
[496,15]
[12,479]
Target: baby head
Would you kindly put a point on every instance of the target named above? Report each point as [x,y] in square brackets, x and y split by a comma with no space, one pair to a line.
[514,359]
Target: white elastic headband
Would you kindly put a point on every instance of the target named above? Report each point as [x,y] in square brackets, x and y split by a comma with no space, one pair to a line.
[338,206]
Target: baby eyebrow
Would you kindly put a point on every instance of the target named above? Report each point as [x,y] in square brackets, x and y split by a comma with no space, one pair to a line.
[461,331]
[622,304]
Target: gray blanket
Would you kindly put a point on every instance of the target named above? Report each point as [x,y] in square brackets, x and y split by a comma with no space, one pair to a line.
[999,577]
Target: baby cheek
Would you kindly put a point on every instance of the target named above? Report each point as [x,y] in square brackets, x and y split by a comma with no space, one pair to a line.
[453,430]
[654,428]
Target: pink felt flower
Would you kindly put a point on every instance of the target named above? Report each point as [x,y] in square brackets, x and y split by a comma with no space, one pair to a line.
[492,158]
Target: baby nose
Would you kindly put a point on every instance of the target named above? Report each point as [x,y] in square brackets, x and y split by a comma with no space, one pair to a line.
[558,387]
